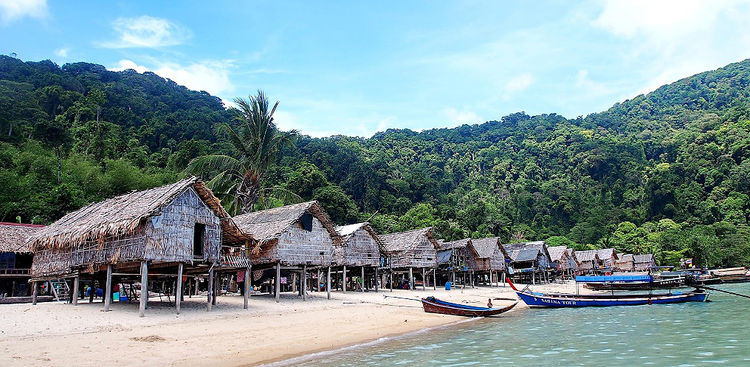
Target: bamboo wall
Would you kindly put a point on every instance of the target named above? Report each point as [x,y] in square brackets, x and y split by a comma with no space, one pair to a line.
[297,246]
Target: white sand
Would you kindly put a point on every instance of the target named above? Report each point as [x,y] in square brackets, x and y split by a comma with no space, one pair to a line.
[63,334]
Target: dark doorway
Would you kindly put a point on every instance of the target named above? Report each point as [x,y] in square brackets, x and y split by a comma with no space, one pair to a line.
[199,239]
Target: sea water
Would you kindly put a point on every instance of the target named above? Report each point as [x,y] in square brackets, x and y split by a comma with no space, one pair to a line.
[687,334]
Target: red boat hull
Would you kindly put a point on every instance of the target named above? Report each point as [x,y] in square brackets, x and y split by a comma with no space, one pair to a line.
[432,305]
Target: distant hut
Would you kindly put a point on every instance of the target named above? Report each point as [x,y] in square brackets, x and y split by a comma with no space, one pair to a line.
[608,257]
[488,258]
[411,249]
[169,228]
[643,262]
[625,262]
[563,260]
[588,261]
[573,263]
[293,236]
[15,258]
[453,257]
[529,260]
[360,246]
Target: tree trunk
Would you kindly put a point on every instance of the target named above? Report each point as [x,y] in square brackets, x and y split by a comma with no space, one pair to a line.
[248,191]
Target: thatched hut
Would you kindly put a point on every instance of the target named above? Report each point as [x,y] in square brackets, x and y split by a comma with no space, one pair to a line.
[168,227]
[488,258]
[588,261]
[295,236]
[360,246]
[573,263]
[625,262]
[411,249]
[643,262]
[453,257]
[608,257]
[15,258]
[529,260]
[563,260]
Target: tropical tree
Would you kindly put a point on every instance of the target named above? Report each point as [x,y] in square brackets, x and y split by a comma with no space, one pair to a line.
[256,141]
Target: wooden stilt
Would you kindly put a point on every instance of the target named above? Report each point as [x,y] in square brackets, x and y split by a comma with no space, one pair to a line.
[328,283]
[216,288]
[411,279]
[247,287]
[277,285]
[343,280]
[34,292]
[424,280]
[304,283]
[76,286]
[390,275]
[362,279]
[377,278]
[294,284]
[434,278]
[178,289]
[144,289]
[210,288]
[108,289]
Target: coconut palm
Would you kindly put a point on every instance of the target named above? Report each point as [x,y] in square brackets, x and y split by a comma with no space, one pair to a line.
[237,180]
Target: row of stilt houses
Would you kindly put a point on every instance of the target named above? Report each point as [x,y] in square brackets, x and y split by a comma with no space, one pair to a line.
[177,241]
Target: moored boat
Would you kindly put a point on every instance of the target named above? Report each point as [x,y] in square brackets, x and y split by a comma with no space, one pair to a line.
[434,305]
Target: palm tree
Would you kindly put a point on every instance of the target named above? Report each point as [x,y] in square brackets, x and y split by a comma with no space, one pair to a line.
[237,180]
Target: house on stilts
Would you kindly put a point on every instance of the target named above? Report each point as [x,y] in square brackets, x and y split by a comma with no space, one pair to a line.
[530,261]
[406,251]
[360,247]
[487,259]
[625,262]
[563,261]
[588,261]
[174,230]
[452,259]
[608,258]
[643,262]
[15,261]
[292,240]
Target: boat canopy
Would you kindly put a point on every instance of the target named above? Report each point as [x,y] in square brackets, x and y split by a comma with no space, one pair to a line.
[614,278]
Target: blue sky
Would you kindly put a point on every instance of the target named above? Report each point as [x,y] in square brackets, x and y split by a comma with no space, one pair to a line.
[355,68]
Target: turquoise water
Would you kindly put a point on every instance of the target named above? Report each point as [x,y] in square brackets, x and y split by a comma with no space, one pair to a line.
[690,334]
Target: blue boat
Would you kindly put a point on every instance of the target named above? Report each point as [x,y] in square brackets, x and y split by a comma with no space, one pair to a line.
[535,299]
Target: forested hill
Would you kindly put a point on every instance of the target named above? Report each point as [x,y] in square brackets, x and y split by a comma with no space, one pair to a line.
[667,172]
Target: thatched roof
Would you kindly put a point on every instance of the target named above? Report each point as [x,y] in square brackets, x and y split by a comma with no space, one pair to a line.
[645,258]
[267,226]
[121,215]
[588,255]
[442,245]
[571,253]
[626,257]
[405,241]
[485,247]
[346,232]
[13,236]
[556,253]
[606,254]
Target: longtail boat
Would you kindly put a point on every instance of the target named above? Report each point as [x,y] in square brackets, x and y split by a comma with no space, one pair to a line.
[534,299]
[629,282]
[434,305]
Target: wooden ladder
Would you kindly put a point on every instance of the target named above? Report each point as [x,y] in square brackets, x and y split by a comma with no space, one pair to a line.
[60,289]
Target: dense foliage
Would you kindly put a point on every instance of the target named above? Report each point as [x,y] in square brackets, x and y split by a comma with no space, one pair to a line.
[666,172]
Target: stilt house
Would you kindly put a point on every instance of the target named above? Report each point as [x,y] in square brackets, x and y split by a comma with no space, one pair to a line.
[409,250]
[488,257]
[452,258]
[588,260]
[643,262]
[15,258]
[560,258]
[573,263]
[361,247]
[625,262]
[608,257]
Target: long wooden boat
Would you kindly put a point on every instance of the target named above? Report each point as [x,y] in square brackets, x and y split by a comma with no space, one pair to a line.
[534,299]
[434,305]
[630,282]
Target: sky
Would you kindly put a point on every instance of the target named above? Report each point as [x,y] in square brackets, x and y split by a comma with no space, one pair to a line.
[355,68]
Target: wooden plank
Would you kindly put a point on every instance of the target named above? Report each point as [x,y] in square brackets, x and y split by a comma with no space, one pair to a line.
[144,289]
[108,289]
[178,292]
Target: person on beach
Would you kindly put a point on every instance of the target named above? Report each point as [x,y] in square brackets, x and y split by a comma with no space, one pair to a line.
[489,303]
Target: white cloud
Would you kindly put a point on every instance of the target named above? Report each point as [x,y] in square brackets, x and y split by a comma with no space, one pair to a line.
[462,117]
[519,83]
[11,10]
[148,32]
[62,52]
[209,76]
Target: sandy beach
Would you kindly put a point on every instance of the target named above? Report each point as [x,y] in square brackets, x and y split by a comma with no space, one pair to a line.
[63,334]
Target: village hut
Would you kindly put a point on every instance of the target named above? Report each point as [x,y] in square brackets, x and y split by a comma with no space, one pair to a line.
[643,262]
[360,246]
[405,251]
[608,257]
[559,257]
[625,262]
[295,237]
[175,228]
[488,258]
[15,259]
[573,263]
[529,260]
[453,257]
[588,261]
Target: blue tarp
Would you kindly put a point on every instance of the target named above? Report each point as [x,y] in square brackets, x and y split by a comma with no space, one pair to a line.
[614,278]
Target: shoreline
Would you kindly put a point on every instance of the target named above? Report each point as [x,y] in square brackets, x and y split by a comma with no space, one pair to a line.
[268,333]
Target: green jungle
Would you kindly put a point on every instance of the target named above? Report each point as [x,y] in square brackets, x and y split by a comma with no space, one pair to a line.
[667,172]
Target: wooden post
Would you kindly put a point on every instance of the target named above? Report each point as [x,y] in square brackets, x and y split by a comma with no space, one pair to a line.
[304,282]
[178,290]
[390,275]
[294,283]
[434,278]
[277,285]
[411,279]
[377,278]
[424,280]
[76,285]
[144,289]
[108,289]
[247,287]
[328,283]
[210,288]
[34,291]
[363,279]
[343,280]
[217,277]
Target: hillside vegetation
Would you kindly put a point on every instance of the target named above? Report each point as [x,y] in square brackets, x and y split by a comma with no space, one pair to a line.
[667,172]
